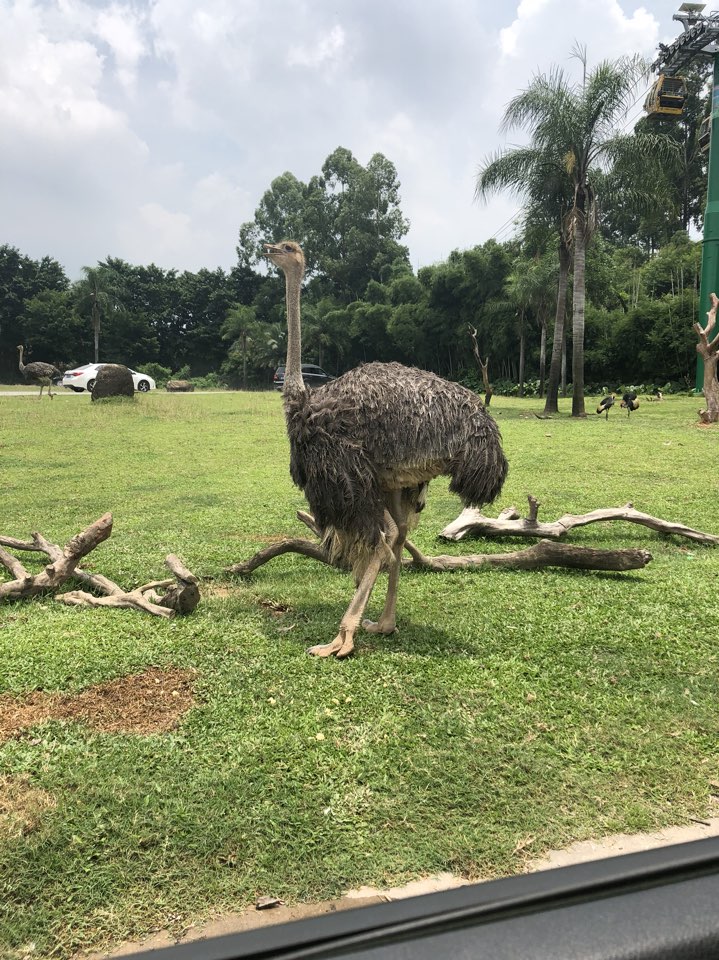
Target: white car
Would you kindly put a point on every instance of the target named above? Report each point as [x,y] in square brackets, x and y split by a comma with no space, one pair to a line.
[83,378]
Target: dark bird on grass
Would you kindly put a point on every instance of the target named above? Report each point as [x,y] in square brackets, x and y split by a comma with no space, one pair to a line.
[364,448]
[38,372]
[629,402]
[604,404]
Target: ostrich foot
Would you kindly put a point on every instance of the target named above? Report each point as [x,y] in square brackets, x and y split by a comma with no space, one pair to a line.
[342,646]
[381,626]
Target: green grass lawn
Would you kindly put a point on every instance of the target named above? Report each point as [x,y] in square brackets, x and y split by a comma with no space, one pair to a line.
[512,712]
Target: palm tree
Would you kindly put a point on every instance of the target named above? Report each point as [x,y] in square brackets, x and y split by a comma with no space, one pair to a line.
[525,296]
[98,294]
[541,178]
[576,128]
[239,326]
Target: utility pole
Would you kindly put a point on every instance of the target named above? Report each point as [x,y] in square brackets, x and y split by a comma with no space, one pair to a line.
[699,41]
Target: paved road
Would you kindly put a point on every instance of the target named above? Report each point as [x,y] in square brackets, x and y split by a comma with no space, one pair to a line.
[36,391]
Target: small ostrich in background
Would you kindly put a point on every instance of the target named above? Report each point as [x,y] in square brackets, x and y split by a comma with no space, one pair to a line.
[364,448]
[629,402]
[39,372]
[605,404]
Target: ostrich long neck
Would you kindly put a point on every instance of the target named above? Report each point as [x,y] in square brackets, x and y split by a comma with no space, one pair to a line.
[21,364]
[294,387]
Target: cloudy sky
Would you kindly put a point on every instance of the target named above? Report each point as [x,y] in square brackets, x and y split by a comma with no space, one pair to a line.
[149,129]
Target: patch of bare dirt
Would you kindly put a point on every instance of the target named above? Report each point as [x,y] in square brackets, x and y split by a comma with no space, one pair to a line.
[22,806]
[144,703]
[222,590]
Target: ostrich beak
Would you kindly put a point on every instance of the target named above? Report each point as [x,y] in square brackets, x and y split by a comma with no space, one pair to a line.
[271,248]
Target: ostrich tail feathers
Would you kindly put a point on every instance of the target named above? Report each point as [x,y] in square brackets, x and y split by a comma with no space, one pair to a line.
[479,472]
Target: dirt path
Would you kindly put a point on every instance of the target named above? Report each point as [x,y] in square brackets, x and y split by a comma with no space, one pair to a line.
[582,852]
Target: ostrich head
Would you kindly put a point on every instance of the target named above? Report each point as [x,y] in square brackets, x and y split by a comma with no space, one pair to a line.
[288,257]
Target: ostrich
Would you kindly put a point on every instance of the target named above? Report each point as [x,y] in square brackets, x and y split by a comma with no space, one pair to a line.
[38,372]
[364,447]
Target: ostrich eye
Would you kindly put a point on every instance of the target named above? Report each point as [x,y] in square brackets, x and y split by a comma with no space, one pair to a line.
[288,248]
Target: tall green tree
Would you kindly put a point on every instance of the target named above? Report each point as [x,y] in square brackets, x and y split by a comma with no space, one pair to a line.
[538,175]
[54,330]
[239,327]
[347,219]
[98,295]
[21,279]
[681,180]
[576,127]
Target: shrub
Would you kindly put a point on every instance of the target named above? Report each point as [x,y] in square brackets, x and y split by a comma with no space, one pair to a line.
[158,373]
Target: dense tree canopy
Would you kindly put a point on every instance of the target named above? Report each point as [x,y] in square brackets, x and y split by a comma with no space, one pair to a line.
[362,300]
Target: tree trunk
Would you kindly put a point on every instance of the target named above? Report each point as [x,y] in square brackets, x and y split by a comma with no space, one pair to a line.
[709,352]
[564,365]
[96,331]
[521,354]
[244,361]
[555,367]
[483,367]
[578,298]
[542,355]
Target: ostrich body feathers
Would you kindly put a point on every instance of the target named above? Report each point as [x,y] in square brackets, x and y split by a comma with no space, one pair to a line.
[39,371]
[384,427]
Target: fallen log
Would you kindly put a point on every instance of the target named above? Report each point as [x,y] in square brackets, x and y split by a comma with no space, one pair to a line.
[509,523]
[546,553]
[181,594]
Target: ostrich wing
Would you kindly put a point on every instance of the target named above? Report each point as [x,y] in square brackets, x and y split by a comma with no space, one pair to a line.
[334,470]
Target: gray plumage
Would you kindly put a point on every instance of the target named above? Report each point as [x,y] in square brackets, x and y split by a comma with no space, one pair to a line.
[38,372]
[383,427]
[364,448]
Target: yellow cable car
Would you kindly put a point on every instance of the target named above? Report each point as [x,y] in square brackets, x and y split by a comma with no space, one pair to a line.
[667,96]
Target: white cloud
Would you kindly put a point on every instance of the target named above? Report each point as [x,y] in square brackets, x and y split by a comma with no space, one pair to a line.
[149,129]
[121,27]
[327,48]
[526,11]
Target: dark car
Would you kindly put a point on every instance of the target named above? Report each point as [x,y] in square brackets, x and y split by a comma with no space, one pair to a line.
[312,375]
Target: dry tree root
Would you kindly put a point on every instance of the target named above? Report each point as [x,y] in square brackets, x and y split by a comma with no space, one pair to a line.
[180,594]
[510,524]
[544,554]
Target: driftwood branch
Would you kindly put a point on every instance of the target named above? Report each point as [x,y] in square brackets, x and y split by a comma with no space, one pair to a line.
[295,545]
[709,352]
[181,593]
[62,566]
[483,366]
[510,524]
[544,554]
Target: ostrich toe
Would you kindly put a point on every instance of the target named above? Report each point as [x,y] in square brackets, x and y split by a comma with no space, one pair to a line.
[342,646]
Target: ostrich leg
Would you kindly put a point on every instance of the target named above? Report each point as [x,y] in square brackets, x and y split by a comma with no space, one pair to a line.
[343,643]
[387,622]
